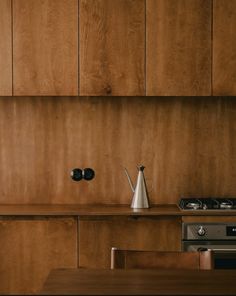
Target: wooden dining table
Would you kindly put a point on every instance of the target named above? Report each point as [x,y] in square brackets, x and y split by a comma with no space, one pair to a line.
[139,282]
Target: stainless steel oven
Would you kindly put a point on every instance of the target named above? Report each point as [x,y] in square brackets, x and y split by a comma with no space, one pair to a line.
[220,237]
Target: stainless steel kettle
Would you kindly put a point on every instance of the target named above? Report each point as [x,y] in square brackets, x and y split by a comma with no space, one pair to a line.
[140,197]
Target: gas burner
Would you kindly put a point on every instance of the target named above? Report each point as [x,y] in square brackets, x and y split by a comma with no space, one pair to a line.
[208,203]
[225,205]
[193,205]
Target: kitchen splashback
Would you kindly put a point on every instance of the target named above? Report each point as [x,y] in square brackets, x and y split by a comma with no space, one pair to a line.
[187,145]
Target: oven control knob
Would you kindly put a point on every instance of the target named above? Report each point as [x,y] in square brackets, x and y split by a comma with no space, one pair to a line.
[201,231]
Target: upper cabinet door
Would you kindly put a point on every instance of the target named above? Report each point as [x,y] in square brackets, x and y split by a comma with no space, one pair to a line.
[5,48]
[178,47]
[45,51]
[112,47]
[224,48]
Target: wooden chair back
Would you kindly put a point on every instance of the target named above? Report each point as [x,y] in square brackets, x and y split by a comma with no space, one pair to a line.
[127,259]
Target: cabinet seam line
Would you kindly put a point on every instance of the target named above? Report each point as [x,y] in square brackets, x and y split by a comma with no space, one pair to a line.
[145,48]
[77,242]
[12,76]
[78,66]
[212,7]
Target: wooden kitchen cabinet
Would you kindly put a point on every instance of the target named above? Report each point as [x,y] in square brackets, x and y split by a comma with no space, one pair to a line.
[178,48]
[45,47]
[224,48]
[5,48]
[98,236]
[31,247]
[112,47]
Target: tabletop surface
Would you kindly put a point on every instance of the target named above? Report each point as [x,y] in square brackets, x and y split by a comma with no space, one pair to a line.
[140,282]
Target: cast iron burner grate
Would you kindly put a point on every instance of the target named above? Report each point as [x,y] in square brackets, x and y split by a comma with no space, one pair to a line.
[209,203]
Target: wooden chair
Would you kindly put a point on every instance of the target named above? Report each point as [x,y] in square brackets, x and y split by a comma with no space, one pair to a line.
[127,259]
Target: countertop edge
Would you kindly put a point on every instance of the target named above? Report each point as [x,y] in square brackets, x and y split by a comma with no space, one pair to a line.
[104,210]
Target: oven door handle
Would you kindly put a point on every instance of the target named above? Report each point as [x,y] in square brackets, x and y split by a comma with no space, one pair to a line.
[222,250]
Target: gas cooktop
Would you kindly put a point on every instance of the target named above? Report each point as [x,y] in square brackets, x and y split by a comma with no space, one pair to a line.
[209,203]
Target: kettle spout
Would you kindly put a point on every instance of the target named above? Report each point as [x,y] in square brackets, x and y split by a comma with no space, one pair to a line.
[129,179]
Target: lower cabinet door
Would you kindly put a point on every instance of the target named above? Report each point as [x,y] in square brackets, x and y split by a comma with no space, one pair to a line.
[31,247]
[97,237]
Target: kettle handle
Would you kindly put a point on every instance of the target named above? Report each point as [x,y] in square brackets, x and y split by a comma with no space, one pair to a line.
[129,179]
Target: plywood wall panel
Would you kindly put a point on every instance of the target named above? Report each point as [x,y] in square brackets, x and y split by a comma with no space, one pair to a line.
[224,47]
[5,48]
[112,47]
[178,47]
[188,146]
[45,51]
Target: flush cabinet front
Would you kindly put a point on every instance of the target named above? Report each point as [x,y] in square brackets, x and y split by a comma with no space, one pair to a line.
[224,48]
[45,47]
[5,48]
[112,47]
[178,47]
[117,48]
[98,236]
[31,247]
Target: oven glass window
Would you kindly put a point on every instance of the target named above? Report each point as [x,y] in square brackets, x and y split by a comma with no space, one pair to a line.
[231,230]
[225,260]
[224,252]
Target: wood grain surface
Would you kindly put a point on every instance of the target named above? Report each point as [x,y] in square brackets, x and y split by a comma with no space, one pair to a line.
[178,47]
[112,47]
[92,211]
[188,146]
[224,47]
[45,51]
[140,282]
[96,238]
[87,211]
[5,48]
[31,247]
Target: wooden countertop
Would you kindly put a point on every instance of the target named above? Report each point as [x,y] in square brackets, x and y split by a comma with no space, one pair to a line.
[86,210]
[140,282]
[103,210]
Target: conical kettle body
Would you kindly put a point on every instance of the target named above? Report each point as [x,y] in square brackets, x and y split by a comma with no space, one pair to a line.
[140,197]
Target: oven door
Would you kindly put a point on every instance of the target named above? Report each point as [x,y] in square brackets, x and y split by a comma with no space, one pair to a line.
[224,251]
